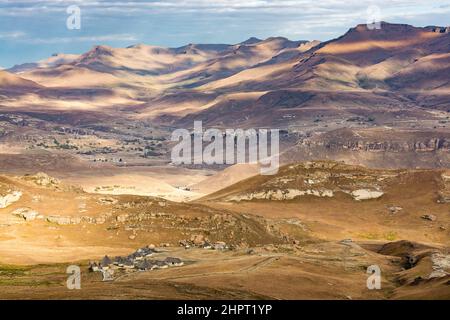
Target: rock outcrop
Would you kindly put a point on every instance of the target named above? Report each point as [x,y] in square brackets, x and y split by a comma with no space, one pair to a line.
[59,220]
[10,198]
[365,194]
[279,195]
[441,265]
[43,180]
[429,217]
[444,193]
[26,214]
[424,145]
[67,220]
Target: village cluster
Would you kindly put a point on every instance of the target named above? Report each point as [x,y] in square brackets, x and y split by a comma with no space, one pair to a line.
[135,261]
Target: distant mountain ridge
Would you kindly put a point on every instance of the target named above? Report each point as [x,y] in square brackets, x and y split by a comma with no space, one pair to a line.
[271,81]
[55,60]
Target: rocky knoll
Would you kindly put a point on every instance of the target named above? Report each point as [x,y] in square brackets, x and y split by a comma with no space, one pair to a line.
[328,179]
[318,179]
[43,180]
[43,202]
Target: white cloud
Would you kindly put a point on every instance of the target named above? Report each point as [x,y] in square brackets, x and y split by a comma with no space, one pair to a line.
[291,18]
[217,6]
[12,35]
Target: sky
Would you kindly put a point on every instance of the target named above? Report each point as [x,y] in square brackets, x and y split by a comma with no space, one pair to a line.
[31,30]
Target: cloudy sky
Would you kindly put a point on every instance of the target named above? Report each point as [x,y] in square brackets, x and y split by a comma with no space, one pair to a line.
[31,30]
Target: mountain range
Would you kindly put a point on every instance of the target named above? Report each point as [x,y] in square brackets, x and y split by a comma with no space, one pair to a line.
[401,64]
[395,77]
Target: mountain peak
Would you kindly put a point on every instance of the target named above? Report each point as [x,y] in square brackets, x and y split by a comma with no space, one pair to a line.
[251,40]
[97,52]
[102,50]
[277,38]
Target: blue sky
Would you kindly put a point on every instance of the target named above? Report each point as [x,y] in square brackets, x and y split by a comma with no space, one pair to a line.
[31,30]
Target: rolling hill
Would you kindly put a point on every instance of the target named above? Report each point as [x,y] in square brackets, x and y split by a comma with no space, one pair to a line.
[9,81]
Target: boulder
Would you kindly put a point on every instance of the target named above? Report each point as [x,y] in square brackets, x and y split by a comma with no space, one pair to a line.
[429,217]
[107,201]
[394,209]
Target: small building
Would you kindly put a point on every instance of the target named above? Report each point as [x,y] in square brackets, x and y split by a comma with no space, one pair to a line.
[146,251]
[142,253]
[135,257]
[106,262]
[207,246]
[138,257]
[93,267]
[144,265]
[174,262]
[219,245]
[159,264]
[128,264]
[119,261]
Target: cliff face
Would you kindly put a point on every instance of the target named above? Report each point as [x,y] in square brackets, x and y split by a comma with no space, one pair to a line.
[425,145]
[375,148]
[377,140]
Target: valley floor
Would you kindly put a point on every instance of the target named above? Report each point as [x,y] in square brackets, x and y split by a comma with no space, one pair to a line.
[317,271]
[318,244]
